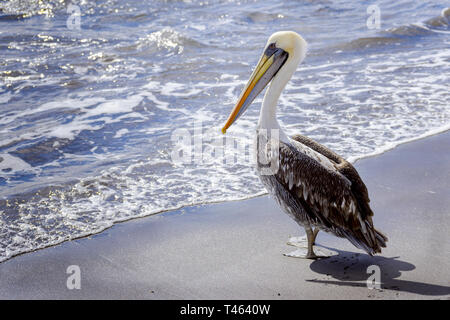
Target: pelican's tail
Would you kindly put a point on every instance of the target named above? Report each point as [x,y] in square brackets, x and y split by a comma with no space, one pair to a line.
[381,239]
[370,240]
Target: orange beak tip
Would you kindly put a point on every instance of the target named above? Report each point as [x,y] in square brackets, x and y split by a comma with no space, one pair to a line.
[224,130]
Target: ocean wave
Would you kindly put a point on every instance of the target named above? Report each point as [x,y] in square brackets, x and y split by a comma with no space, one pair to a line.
[262,17]
[166,40]
[400,34]
[370,42]
[441,21]
[433,25]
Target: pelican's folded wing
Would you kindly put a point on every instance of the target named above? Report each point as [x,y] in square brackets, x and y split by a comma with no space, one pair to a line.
[328,196]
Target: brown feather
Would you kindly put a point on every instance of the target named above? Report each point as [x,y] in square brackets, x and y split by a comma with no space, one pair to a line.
[335,200]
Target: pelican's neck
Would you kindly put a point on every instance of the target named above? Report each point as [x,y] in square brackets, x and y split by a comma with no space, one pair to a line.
[267,116]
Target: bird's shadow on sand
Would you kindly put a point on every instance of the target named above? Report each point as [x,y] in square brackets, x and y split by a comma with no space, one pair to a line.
[350,269]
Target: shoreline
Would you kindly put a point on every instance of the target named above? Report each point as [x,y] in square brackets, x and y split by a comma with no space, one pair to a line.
[392,146]
[256,229]
[353,160]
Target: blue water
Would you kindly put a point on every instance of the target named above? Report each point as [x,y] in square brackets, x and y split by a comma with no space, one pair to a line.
[87,116]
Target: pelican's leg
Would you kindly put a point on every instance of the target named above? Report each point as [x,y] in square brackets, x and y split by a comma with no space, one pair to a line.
[311,235]
[305,245]
[306,248]
[302,242]
[315,232]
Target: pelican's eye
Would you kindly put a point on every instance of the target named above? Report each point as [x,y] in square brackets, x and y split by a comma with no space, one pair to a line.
[271,48]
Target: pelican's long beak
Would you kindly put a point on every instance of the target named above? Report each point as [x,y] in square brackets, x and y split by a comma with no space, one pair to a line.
[270,63]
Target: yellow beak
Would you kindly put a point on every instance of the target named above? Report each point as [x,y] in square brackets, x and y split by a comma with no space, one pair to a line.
[261,68]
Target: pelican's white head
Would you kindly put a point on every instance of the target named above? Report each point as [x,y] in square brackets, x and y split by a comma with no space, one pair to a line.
[282,54]
[292,43]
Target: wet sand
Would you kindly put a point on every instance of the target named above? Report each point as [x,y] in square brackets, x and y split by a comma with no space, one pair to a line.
[234,250]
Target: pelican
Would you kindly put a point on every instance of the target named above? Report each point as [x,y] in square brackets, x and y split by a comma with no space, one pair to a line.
[315,186]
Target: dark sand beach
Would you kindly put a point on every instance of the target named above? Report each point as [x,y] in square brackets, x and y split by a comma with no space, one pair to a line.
[235,250]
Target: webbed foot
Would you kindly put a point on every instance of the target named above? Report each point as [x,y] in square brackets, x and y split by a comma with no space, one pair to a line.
[315,253]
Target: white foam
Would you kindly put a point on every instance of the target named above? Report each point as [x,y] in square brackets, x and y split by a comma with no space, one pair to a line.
[392,145]
[120,133]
